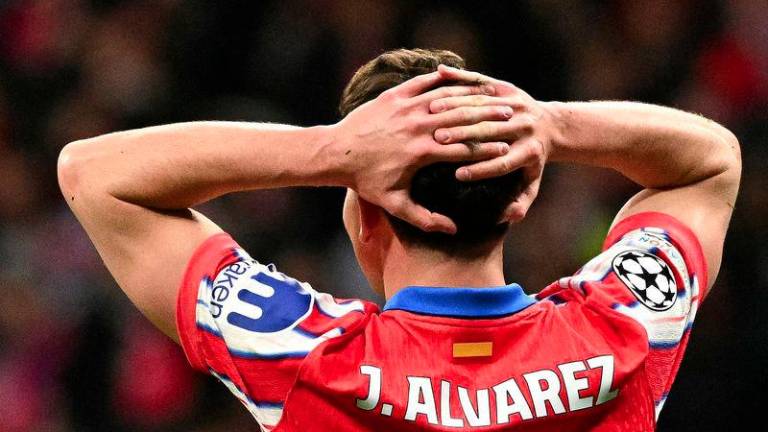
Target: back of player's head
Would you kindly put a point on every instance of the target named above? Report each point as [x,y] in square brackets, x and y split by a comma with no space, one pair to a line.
[475,207]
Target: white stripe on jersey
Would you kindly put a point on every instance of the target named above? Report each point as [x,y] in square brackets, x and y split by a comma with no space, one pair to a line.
[660,405]
[266,416]
[328,305]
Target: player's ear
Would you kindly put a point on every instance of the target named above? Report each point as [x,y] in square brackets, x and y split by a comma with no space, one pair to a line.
[371,220]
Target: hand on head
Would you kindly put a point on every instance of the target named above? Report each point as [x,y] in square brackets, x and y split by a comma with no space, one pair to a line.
[529,133]
[388,139]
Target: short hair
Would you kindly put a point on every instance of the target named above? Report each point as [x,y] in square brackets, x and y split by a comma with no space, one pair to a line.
[475,206]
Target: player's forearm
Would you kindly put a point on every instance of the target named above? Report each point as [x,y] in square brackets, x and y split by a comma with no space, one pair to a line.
[181,165]
[654,146]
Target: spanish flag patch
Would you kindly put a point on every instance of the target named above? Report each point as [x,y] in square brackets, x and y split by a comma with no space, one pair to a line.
[472,349]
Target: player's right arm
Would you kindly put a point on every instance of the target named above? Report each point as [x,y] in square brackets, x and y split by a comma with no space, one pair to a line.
[132,191]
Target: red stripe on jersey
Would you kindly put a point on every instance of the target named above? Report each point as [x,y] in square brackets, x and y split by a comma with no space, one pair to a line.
[217,251]
[275,376]
[664,363]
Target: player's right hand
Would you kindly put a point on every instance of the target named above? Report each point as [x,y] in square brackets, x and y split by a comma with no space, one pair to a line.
[529,132]
[386,140]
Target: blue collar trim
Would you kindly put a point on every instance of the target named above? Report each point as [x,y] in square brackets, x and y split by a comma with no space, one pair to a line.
[461,302]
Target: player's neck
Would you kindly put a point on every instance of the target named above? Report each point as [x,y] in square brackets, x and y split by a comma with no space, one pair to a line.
[418,267]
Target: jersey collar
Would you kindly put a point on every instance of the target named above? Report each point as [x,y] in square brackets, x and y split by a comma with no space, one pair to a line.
[461,302]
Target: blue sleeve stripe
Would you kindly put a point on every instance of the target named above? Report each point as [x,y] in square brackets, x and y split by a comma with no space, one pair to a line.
[307,333]
[256,356]
[664,345]
[208,329]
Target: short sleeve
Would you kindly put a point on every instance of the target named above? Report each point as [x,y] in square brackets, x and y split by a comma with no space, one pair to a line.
[251,326]
[652,269]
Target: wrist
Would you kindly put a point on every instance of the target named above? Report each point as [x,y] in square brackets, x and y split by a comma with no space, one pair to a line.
[337,156]
[560,114]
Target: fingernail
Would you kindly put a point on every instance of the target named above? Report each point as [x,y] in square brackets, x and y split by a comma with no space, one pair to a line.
[503,148]
[438,106]
[463,174]
[442,135]
[487,89]
[507,112]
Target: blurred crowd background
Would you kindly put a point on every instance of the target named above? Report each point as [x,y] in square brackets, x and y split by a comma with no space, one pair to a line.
[76,356]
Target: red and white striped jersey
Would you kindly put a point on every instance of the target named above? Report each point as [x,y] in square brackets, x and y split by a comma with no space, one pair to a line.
[598,350]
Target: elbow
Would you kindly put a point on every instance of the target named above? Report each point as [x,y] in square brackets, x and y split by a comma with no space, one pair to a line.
[71,167]
[723,152]
[730,172]
[731,153]
[731,148]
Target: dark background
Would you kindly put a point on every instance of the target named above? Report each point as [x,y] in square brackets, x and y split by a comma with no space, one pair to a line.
[76,356]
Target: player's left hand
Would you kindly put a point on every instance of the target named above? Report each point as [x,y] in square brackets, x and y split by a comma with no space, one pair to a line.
[529,132]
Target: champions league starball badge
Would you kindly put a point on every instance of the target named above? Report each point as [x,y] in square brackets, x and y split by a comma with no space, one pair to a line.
[648,277]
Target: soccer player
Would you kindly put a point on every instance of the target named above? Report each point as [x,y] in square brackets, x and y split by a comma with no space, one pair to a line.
[455,348]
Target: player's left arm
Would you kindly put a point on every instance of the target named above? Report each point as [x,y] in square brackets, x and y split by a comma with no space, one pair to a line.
[664,249]
[689,166]
[132,191]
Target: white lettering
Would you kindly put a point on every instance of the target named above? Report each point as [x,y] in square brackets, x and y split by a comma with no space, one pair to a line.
[374,388]
[504,391]
[445,407]
[574,385]
[481,417]
[576,380]
[606,380]
[420,388]
[542,395]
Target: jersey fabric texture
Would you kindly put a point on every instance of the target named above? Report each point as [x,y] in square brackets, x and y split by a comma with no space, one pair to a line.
[598,350]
